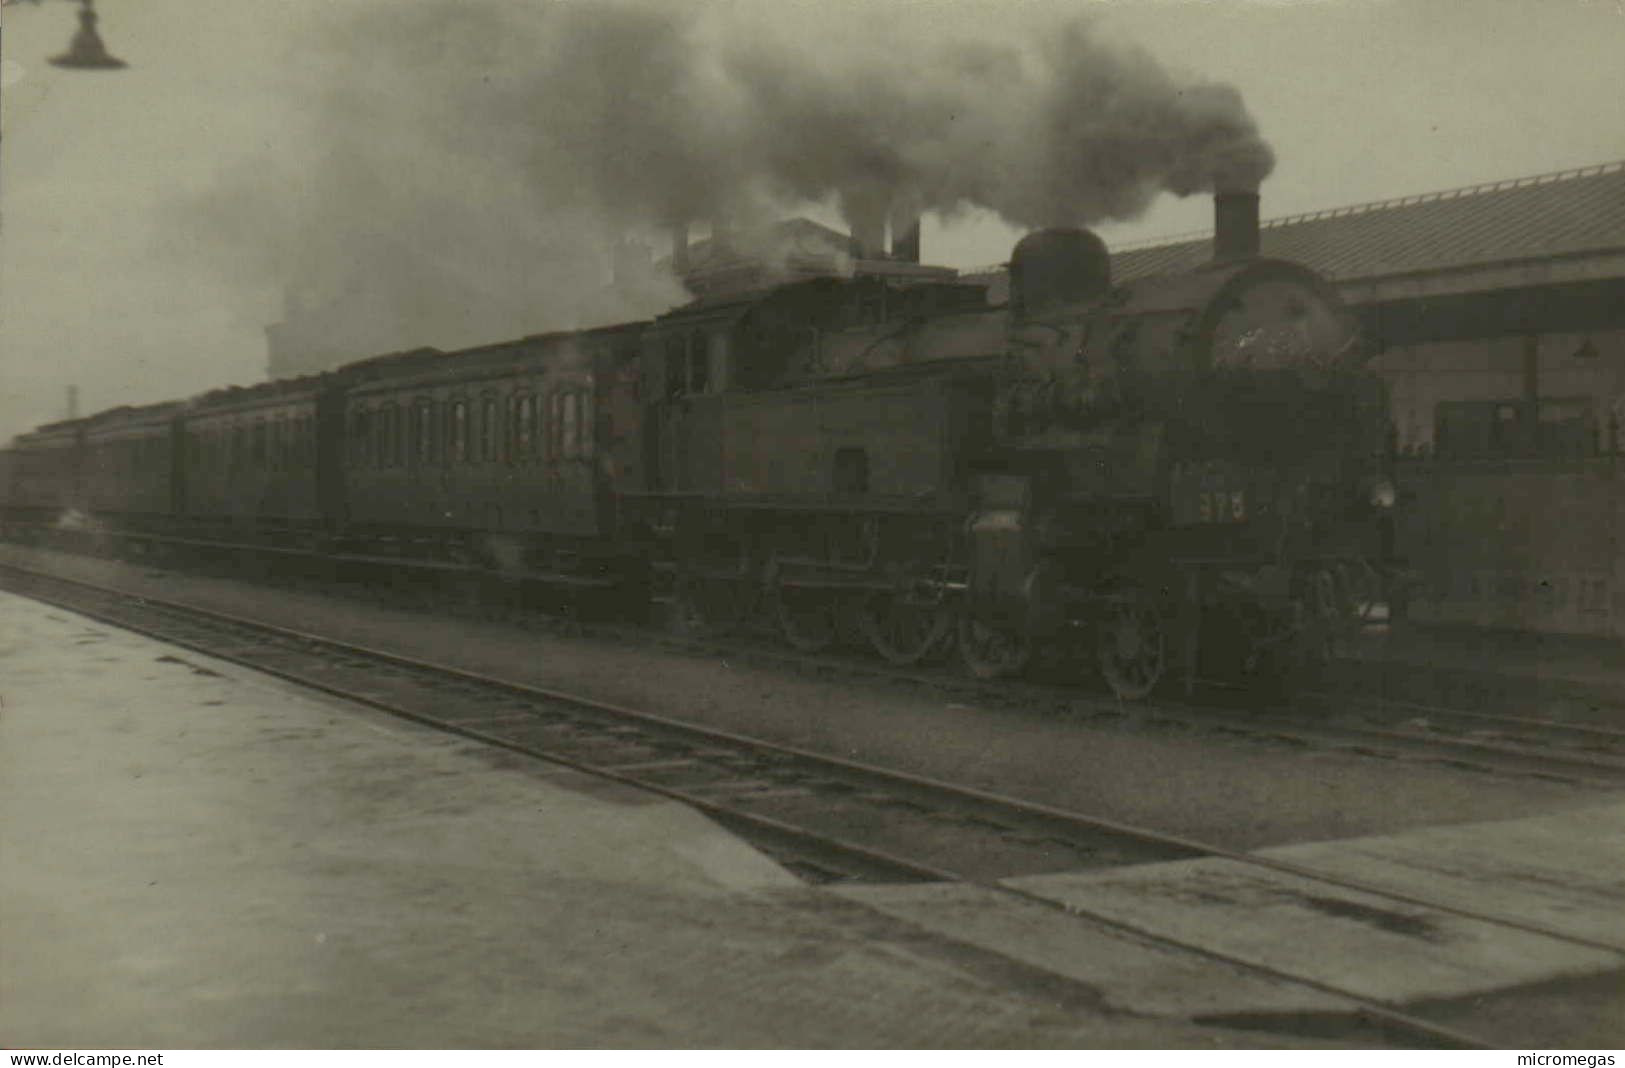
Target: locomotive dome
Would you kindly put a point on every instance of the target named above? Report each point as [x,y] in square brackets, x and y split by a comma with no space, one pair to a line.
[1057,266]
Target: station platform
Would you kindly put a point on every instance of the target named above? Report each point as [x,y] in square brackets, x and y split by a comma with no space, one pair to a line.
[199,856]
[196,855]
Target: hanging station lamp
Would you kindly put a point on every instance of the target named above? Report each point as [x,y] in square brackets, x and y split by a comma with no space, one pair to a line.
[87,51]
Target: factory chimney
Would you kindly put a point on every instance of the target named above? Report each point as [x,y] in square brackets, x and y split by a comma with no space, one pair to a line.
[679,248]
[866,214]
[905,233]
[73,402]
[1235,225]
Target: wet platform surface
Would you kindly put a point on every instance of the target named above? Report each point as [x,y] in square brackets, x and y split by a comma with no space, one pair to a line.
[198,856]
[1483,913]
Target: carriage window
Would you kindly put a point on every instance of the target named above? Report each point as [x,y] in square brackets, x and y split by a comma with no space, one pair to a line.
[569,428]
[699,363]
[488,430]
[585,442]
[358,436]
[459,431]
[527,426]
[424,441]
[676,366]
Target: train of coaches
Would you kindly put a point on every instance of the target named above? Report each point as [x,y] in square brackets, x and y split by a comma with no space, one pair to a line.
[1183,476]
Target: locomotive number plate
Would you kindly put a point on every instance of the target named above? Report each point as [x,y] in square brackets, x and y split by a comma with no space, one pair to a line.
[1221,506]
[1213,492]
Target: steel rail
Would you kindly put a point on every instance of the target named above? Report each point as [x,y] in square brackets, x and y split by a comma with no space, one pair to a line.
[1476,754]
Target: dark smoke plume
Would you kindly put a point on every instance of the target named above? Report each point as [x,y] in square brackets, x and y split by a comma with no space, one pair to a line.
[466,167]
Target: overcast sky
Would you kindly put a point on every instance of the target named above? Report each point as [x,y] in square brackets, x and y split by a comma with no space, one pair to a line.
[1361,99]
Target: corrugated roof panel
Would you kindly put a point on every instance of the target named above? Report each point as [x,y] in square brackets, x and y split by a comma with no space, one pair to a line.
[1548,215]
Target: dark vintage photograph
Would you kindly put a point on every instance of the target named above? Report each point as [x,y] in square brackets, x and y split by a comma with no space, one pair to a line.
[806,524]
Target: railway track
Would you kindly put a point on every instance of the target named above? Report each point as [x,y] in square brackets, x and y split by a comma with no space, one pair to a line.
[1465,739]
[1588,747]
[826,818]
[1534,746]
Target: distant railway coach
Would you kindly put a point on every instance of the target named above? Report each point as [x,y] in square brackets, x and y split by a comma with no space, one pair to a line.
[132,473]
[502,455]
[46,473]
[252,460]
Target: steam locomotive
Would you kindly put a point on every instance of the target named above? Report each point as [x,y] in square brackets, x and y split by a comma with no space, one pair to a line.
[1181,476]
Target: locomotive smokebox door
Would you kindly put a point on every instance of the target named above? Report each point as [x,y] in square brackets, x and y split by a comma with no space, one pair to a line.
[1002,548]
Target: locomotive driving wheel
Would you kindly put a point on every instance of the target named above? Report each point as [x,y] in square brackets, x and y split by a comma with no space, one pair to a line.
[711,604]
[902,631]
[993,650]
[807,618]
[1133,647]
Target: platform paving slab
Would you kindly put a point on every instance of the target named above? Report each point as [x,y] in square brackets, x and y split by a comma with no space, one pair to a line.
[1516,988]
[1132,973]
[1366,944]
[195,855]
[1564,872]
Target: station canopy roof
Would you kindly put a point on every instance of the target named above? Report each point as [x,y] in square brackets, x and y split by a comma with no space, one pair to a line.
[1544,216]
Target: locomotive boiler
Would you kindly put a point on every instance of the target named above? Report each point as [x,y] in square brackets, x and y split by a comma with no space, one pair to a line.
[1177,473]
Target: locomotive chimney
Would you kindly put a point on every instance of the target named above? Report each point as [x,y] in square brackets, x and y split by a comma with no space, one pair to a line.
[905,233]
[1235,225]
